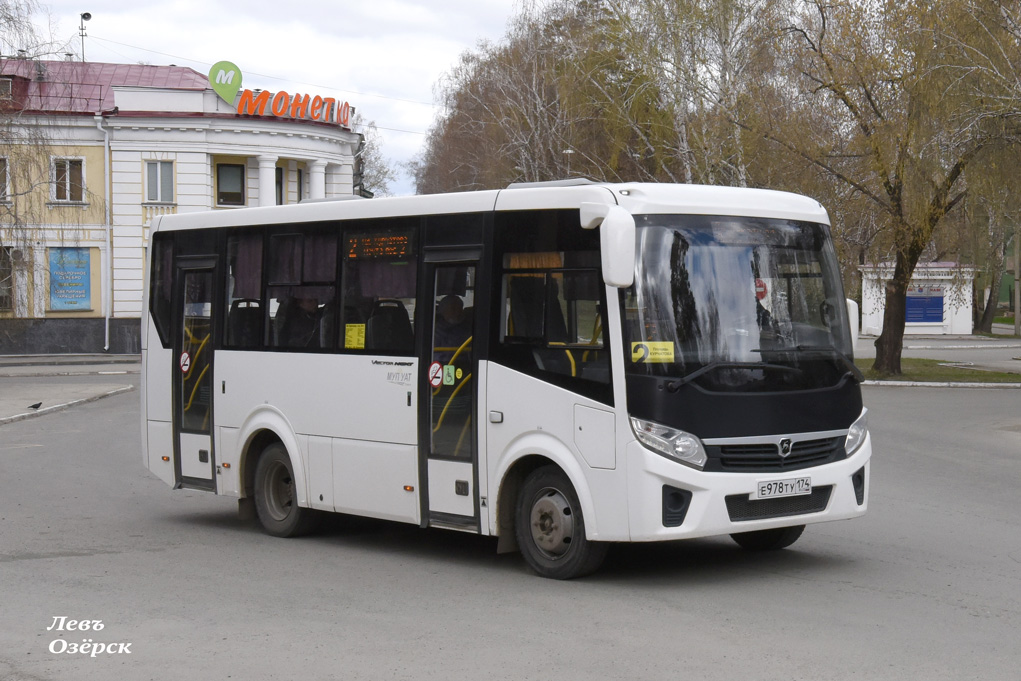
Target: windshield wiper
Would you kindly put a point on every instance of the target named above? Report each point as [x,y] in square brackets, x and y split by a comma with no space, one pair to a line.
[674,386]
[825,349]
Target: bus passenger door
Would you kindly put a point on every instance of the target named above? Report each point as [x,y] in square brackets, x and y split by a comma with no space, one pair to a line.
[448,426]
[193,373]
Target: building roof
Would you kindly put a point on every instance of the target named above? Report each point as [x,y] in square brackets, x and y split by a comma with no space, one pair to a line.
[87,87]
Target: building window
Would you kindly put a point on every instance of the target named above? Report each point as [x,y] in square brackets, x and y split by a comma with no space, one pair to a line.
[230,184]
[301,185]
[5,195]
[280,186]
[159,178]
[69,180]
[6,280]
[6,89]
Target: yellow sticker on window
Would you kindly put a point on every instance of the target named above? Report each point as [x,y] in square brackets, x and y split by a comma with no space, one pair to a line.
[652,352]
[354,336]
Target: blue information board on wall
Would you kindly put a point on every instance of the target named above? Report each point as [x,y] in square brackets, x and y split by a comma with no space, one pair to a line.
[70,279]
[924,304]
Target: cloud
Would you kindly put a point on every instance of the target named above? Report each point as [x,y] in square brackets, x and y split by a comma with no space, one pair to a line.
[384,56]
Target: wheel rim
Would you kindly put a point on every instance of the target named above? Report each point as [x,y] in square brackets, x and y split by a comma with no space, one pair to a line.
[552,523]
[279,491]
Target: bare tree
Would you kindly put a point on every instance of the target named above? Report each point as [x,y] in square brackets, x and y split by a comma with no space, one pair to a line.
[375,173]
[554,99]
[900,128]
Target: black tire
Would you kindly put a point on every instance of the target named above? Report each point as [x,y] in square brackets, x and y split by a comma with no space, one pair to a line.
[550,527]
[768,540]
[276,499]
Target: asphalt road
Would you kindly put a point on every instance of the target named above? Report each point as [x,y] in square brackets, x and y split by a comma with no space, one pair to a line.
[927,586]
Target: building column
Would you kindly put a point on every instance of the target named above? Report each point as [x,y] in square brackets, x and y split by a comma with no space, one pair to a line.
[317,180]
[267,180]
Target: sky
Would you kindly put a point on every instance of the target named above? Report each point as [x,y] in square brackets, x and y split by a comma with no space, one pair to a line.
[385,57]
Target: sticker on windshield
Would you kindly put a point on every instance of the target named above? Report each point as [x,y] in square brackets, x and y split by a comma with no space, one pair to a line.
[652,352]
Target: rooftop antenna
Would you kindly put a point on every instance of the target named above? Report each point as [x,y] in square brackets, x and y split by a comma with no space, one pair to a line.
[81,30]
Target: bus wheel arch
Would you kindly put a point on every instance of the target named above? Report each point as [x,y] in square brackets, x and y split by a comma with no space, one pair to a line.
[507,501]
[256,445]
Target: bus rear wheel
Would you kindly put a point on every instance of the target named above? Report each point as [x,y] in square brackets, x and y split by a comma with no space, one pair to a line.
[550,527]
[768,540]
[276,498]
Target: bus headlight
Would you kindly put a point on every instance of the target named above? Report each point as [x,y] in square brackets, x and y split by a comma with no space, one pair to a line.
[856,433]
[676,444]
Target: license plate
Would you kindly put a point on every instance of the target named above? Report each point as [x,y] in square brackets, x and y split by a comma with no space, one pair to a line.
[791,487]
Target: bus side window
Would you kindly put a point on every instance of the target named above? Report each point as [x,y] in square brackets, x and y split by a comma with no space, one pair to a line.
[162,285]
[301,293]
[380,285]
[244,292]
[558,314]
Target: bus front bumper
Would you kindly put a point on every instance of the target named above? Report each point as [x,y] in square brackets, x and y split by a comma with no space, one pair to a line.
[668,500]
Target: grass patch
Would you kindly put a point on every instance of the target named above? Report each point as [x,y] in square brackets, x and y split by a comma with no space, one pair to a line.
[1003,320]
[933,371]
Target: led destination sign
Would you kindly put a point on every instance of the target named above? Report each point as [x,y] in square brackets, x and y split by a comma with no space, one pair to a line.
[394,245]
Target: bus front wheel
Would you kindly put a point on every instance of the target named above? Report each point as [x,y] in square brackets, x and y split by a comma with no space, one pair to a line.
[276,498]
[551,530]
[768,540]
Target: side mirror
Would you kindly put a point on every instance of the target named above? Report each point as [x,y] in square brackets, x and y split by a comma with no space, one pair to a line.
[616,241]
[852,316]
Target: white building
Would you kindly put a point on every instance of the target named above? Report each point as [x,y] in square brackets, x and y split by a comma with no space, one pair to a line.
[94,151]
[939,299]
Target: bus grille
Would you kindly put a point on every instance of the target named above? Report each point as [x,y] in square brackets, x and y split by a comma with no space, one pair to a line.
[765,457]
[740,507]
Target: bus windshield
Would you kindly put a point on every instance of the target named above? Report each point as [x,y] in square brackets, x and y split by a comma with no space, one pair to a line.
[736,304]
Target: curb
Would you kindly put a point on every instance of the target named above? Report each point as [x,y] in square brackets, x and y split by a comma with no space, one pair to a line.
[4,420]
[944,384]
[76,358]
[45,374]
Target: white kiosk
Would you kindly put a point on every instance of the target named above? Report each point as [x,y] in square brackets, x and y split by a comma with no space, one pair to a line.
[939,300]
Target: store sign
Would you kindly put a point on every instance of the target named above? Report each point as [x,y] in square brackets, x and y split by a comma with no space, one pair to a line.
[70,279]
[225,78]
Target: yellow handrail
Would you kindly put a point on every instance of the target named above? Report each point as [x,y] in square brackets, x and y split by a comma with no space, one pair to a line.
[198,382]
[570,357]
[461,349]
[464,345]
[439,421]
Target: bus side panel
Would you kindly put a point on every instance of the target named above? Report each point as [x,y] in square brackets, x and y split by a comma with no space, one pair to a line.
[539,418]
[157,395]
[370,479]
[365,406]
[160,439]
[228,458]
[346,396]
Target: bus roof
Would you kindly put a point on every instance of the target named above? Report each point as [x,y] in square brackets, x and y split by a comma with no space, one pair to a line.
[637,198]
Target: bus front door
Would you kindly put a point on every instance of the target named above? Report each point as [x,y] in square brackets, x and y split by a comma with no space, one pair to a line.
[193,374]
[451,463]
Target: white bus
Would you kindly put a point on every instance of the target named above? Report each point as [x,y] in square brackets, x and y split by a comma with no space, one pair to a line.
[561,365]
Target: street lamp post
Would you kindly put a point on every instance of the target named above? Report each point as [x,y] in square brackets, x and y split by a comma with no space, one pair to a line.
[85,16]
[568,152]
[1017,280]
